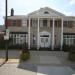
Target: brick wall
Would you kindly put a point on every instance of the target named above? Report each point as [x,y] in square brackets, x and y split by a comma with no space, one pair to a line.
[10,22]
[18,23]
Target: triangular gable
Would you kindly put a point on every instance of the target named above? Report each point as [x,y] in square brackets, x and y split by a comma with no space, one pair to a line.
[46,12]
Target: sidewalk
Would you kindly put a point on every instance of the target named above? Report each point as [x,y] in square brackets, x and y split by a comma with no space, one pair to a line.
[10,61]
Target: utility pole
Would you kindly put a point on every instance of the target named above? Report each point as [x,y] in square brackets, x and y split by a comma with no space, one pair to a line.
[6,41]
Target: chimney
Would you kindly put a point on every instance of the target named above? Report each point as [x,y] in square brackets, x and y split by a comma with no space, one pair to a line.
[12,12]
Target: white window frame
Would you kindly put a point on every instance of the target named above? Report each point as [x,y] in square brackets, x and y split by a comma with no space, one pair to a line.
[69,40]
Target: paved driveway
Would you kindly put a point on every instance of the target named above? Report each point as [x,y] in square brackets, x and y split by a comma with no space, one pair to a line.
[29,69]
[54,70]
[40,63]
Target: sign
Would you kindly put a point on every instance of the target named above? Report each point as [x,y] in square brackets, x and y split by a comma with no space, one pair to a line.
[6,37]
[7,32]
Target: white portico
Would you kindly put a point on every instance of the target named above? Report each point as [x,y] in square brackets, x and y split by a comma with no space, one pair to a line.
[44,28]
[45,21]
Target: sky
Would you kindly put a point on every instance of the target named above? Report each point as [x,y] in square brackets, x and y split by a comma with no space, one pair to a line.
[23,7]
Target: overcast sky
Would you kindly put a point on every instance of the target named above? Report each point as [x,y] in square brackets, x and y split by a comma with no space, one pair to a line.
[23,7]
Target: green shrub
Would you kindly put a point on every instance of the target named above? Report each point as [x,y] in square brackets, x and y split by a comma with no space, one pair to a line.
[66,47]
[72,54]
[25,56]
[25,47]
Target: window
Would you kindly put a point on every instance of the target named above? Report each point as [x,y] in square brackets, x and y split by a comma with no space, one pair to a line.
[46,39]
[18,38]
[14,35]
[42,40]
[44,23]
[14,23]
[65,23]
[51,23]
[68,24]
[59,23]
[34,39]
[69,39]
[46,12]
[56,23]
[14,41]
[34,23]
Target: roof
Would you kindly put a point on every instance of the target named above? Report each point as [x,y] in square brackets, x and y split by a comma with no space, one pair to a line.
[45,12]
[17,17]
[49,13]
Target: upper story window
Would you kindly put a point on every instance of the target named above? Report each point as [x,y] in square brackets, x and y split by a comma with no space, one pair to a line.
[65,23]
[34,23]
[46,12]
[44,23]
[68,23]
[51,23]
[14,23]
[58,23]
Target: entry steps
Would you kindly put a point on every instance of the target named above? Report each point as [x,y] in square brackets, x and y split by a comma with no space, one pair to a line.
[50,53]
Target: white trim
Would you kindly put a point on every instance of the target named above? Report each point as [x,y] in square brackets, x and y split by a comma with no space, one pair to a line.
[61,34]
[38,35]
[45,41]
[53,34]
[29,35]
[69,39]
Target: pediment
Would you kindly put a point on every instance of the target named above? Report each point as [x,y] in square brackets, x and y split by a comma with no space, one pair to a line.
[46,12]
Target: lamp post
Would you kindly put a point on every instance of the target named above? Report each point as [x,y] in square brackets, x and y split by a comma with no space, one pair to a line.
[6,29]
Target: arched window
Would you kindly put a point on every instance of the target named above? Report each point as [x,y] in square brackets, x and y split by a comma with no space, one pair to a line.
[46,12]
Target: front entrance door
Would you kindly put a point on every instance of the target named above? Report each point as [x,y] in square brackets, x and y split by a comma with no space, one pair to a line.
[44,40]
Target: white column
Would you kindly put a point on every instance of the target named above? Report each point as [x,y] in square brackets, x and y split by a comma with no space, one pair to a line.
[29,35]
[38,35]
[53,34]
[61,34]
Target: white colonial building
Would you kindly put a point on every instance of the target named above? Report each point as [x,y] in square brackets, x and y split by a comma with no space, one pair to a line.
[43,28]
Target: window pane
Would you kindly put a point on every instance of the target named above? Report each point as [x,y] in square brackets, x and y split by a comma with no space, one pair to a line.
[74,41]
[51,23]
[46,40]
[46,12]
[64,36]
[44,23]
[42,40]
[65,23]
[14,22]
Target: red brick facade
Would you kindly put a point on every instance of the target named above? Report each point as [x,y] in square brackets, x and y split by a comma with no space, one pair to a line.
[10,22]
[18,23]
